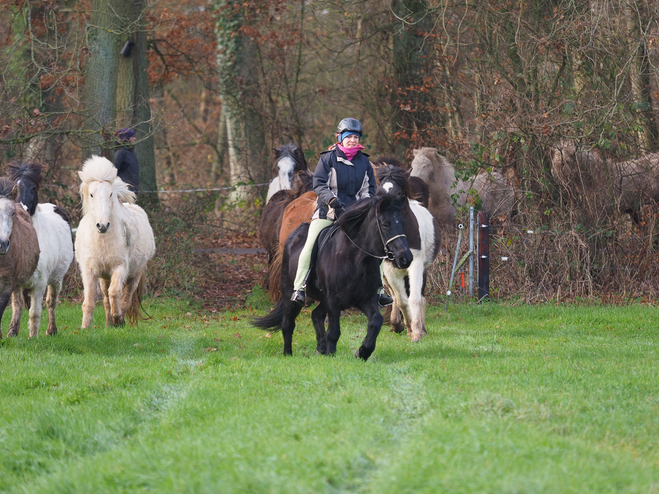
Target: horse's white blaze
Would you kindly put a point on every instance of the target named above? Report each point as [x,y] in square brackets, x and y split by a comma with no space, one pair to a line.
[387,186]
[7,209]
[283,181]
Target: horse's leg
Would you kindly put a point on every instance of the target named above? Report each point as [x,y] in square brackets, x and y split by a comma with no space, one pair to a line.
[115,292]
[374,324]
[396,283]
[36,308]
[129,291]
[17,305]
[89,301]
[291,311]
[4,300]
[318,319]
[333,329]
[105,287]
[416,317]
[52,297]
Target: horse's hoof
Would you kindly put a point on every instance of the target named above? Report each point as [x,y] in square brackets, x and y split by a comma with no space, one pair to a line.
[396,328]
[11,334]
[416,338]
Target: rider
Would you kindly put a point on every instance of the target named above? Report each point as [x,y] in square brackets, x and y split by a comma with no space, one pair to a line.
[343,175]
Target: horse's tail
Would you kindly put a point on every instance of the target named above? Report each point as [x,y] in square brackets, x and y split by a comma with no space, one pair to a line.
[274,274]
[273,319]
[134,311]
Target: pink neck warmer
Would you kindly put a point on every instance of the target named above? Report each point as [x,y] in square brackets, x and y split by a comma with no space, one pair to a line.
[350,152]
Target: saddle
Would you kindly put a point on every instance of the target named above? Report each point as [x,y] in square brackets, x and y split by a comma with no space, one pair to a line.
[322,240]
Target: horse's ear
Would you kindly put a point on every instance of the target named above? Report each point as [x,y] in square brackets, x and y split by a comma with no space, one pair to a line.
[14,192]
[415,152]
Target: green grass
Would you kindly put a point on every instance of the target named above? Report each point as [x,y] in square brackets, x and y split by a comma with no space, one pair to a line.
[496,399]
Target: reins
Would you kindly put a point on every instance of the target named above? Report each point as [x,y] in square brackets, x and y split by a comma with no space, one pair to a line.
[388,254]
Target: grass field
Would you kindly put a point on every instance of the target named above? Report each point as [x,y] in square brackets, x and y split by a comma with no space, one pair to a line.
[496,399]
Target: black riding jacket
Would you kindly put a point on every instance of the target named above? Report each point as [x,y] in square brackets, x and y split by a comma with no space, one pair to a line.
[338,177]
[128,169]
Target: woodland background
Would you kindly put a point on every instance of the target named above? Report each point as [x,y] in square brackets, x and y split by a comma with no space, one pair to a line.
[212,86]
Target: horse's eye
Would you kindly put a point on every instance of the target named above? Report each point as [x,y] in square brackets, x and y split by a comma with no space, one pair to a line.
[91,195]
[110,194]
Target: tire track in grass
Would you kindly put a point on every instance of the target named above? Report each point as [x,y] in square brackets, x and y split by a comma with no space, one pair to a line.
[409,404]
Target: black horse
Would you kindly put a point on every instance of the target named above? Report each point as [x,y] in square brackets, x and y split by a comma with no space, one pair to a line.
[347,269]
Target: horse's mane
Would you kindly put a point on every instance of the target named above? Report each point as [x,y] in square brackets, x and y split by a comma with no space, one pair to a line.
[389,168]
[302,182]
[99,169]
[441,165]
[7,187]
[30,171]
[355,214]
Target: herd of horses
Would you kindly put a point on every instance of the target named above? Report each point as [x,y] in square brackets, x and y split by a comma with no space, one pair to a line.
[422,199]
[398,230]
[113,243]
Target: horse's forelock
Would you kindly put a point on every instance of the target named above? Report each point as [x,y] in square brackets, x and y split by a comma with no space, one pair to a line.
[29,171]
[394,173]
[294,152]
[99,169]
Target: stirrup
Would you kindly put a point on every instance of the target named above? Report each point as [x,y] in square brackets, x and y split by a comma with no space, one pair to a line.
[299,297]
[384,300]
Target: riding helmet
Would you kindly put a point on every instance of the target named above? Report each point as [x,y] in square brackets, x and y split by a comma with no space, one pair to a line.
[349,124]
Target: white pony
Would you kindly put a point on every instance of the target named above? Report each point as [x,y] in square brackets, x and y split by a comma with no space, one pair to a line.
[113,244]
[290,159]
[56,244]
[498,197]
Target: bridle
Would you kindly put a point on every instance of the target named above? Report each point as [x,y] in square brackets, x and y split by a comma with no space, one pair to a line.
[388,254]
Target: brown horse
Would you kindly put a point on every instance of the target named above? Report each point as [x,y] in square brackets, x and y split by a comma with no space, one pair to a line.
[19,248]
[273,212]
[297,212]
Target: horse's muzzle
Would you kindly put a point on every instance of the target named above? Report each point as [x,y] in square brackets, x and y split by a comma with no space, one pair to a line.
[4,247]
[102,228]
[403,261]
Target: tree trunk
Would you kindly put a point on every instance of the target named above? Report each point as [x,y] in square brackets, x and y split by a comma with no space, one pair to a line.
[411,60]
[101,69]
[238,78]
[640,76]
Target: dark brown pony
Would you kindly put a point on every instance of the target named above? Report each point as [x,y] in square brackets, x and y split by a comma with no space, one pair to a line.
[19,247]
[273,212]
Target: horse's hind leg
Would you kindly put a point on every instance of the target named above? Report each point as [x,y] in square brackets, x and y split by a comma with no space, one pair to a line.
[17,305]
[105,286]
[52,297]
[115,292]
[36,308]
[291,311]
[374,325]
[4,300]
[333,330]
[318,319]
